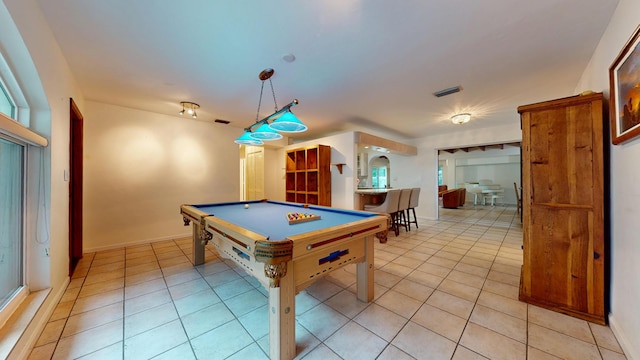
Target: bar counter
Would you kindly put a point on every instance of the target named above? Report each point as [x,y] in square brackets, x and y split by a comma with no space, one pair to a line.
[369,196]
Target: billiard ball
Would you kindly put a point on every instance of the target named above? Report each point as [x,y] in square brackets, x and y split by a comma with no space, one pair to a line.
[246,206]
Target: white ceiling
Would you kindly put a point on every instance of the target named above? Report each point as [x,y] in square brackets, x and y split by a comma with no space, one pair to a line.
[359,64]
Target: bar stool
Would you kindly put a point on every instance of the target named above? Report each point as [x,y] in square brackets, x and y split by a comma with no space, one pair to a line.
[413,203]
[403,207]
[388,206]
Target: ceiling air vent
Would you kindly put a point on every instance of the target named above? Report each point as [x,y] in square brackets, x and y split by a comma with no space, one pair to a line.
[220,121]
[449,91]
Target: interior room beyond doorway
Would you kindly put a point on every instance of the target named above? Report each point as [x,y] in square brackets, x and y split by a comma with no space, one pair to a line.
[495,164]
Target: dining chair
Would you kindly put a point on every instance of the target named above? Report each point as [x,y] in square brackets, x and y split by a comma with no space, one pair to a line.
[518,198]
[477,193]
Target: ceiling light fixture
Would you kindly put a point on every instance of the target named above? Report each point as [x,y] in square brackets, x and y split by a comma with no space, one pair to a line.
[190,108]
[462,118]
[269,128]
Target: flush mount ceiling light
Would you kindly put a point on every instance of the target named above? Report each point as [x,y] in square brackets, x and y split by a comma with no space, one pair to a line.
[269,128]
[459,119]
[190,108]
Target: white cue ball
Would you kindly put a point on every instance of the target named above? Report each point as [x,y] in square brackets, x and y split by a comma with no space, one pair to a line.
[246,206]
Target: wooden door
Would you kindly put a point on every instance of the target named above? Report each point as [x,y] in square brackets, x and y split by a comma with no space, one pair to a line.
[563,217]
[76,124]
[254,178]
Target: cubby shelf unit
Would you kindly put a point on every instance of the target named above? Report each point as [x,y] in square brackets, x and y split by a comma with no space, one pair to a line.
[308,175]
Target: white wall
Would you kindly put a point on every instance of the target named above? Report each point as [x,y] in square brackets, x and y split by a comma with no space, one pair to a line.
[343,150]
[50,118]
[139,167]
[48,74]
[624,249]
[273,176]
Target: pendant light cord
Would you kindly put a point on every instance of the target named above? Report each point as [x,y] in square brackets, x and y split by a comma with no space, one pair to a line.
[260,100]
[274,96]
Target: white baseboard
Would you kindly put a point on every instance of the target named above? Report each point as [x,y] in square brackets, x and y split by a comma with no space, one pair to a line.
[629,351]
[137,242]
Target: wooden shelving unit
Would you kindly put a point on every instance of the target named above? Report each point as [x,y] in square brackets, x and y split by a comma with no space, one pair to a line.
[308,175]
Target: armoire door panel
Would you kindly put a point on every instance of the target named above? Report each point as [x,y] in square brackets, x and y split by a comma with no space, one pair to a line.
[563,206]
[560,260]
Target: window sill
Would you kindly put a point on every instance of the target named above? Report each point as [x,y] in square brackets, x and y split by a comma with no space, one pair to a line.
[17,325]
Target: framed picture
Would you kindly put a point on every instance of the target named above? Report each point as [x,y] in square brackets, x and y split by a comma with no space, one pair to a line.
[624,82]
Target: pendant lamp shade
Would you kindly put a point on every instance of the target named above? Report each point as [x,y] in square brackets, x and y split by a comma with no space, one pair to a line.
[246,139]
[288,122]
[264,132]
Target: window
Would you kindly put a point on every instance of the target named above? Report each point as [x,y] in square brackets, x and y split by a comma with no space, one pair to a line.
[379,177]
[15,141]
[440,175]
[7,106]
[12,155]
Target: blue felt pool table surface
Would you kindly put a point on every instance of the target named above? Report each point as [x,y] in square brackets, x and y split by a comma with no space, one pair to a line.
[269,218]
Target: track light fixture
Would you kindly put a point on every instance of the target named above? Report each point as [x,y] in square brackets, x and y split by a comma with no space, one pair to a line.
[190,108]
[269,128]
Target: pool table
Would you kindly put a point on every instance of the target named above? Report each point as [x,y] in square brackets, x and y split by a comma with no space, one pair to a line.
[287,257]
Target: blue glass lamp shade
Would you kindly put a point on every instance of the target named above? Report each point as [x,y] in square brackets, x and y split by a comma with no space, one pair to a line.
[288,122]
[264,132]
[246,139]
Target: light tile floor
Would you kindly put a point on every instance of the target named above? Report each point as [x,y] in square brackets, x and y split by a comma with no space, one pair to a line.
[448,290]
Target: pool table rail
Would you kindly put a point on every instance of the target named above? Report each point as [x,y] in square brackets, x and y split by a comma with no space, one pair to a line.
[274,254]
[191,214]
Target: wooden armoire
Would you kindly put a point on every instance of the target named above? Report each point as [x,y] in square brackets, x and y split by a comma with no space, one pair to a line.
[564,206]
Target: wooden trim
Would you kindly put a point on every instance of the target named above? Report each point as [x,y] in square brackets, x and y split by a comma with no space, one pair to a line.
[393,146]
[13,128]
[76,132]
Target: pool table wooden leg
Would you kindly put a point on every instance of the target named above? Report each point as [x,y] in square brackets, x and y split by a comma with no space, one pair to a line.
[198,245]
[364,272]
[282,318]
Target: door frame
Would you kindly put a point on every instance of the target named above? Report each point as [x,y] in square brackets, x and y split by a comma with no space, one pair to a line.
[76,140]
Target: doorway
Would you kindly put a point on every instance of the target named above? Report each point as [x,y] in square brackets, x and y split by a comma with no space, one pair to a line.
[380,172]
[76,130]
[254,173]
[468,166]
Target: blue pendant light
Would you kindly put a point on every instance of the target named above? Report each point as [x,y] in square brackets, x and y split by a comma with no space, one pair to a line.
[264,132]
[288,122]
[284,121]
[246,139]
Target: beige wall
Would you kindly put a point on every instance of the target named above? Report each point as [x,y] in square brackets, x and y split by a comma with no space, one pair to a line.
[44,75]
[624,249]
[139,167]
